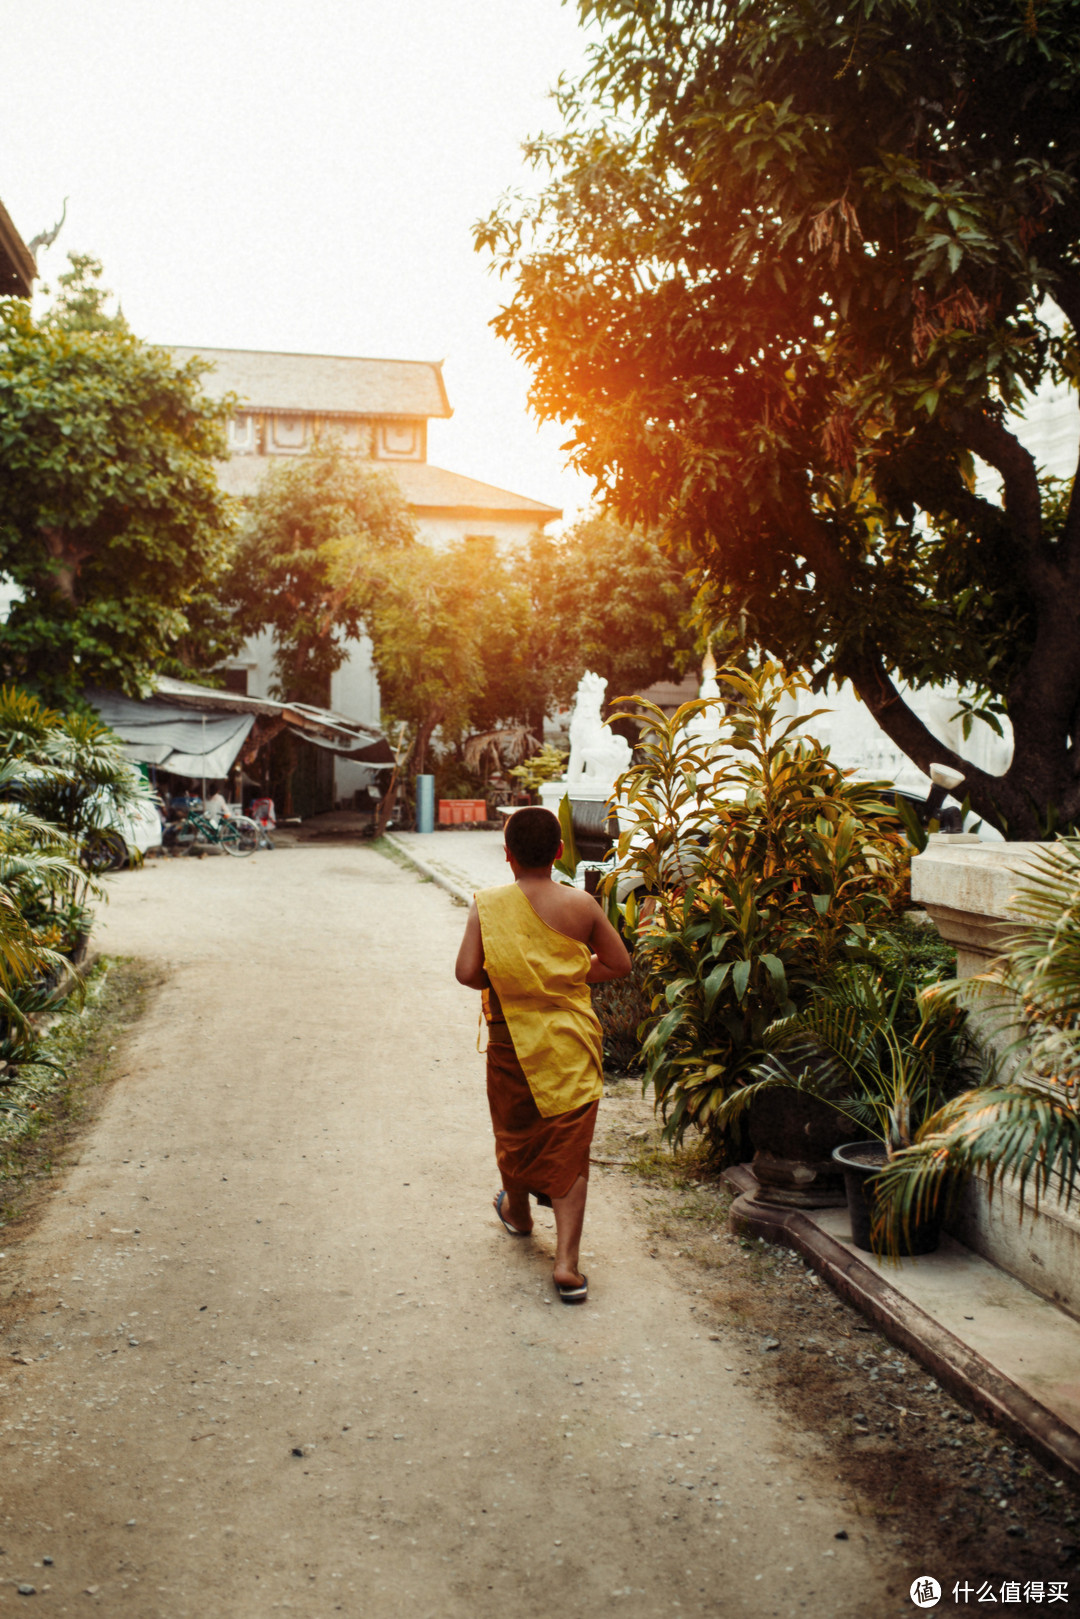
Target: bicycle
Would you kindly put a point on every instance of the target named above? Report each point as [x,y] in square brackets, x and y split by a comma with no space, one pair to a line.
[235,834]
[103,850]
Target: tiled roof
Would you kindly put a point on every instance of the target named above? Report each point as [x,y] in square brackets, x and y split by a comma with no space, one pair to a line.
[324,383]
[426,488]
[431,489]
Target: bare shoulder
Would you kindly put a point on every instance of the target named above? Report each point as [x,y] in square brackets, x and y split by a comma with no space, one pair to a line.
[570,910]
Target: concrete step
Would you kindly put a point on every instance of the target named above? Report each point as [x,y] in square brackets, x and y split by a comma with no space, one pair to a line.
[1011,1354]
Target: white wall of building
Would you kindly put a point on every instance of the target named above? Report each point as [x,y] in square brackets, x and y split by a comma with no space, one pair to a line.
[441,532]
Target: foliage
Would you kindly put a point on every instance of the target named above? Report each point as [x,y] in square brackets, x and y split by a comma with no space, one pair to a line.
[314,544]
[792,264]
[62,782]
[111,519]
[78,777]
[853,1046]
[1027,1130]
[547,765]
[913,952]
[449,632]
[494,751]
[765,867]
[606,597]
[39,874]
[622,1007]
[567,861]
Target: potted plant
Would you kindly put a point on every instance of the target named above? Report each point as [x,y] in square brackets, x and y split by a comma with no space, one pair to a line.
[881,1056]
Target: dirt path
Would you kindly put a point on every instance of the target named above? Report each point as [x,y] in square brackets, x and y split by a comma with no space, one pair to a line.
[277,1354]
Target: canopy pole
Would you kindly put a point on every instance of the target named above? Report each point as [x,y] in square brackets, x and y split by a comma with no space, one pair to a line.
[204,760]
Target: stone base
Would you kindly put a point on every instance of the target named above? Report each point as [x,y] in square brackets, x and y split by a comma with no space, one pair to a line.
[552,793]
[818,1196]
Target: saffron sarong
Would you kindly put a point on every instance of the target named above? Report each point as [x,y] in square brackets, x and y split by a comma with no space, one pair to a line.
[534,1154]
[545,1049]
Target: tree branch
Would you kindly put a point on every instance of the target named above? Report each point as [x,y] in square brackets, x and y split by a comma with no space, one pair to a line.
[1004,451]
[876,689]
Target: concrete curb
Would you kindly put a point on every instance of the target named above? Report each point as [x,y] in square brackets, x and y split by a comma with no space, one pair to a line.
[431,872]
[962,1370]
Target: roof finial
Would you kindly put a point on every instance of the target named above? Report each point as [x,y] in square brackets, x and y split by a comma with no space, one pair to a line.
[46,238]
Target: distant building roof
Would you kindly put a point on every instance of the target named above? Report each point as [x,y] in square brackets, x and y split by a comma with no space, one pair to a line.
[427,489]
[433,490]
[325,384]
[17,267]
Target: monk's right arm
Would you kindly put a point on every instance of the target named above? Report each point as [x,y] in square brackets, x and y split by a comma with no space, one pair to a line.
[470,958]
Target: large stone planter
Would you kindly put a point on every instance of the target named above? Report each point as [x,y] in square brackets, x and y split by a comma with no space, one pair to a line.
[793,1136]
[966,887]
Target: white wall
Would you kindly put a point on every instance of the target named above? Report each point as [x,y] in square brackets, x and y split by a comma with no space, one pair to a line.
[440,532]
[257,657]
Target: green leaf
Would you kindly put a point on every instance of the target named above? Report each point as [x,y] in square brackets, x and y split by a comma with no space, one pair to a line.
[714,983]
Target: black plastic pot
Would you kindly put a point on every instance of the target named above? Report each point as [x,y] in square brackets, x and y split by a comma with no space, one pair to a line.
[921,1237]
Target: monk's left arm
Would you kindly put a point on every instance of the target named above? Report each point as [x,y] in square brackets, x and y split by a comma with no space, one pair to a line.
[470,958]
[610,957]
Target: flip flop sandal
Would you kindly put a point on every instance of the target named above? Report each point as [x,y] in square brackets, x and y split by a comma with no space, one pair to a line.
[497,1203]
[573,1292]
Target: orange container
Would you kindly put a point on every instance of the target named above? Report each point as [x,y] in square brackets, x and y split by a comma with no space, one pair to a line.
[461,811]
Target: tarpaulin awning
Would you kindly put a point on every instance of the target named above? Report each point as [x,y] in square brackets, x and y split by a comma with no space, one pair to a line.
[376,754]
[155,732]
[194,730]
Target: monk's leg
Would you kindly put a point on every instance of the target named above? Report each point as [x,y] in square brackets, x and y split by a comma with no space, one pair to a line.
[515,1207]
[569,1219]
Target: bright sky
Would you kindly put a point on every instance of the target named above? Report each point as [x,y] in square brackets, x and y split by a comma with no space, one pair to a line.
[300,176]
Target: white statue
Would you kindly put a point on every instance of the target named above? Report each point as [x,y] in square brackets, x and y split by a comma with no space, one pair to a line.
[597,755]
[706,727]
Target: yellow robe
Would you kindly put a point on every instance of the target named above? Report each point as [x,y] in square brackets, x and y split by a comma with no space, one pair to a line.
[539,977]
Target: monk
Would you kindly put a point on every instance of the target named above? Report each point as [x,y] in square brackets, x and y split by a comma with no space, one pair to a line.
[533,948]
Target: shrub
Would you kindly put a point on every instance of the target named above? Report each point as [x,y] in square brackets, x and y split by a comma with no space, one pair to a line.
[764,867]
[622,1007]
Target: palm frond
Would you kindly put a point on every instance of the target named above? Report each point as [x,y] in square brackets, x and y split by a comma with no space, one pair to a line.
[1001,1132]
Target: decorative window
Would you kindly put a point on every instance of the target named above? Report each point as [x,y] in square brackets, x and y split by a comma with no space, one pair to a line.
[399,441]
[242,433]
[290,432]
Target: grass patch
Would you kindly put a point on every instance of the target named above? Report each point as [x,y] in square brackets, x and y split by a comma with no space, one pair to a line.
[658,1164]
[390,851]
[60,1094]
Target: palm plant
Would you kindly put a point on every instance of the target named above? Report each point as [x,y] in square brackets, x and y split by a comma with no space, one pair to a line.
[80,777]
[856,1046]
[1027,1131]
[65,779]
[43,891]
